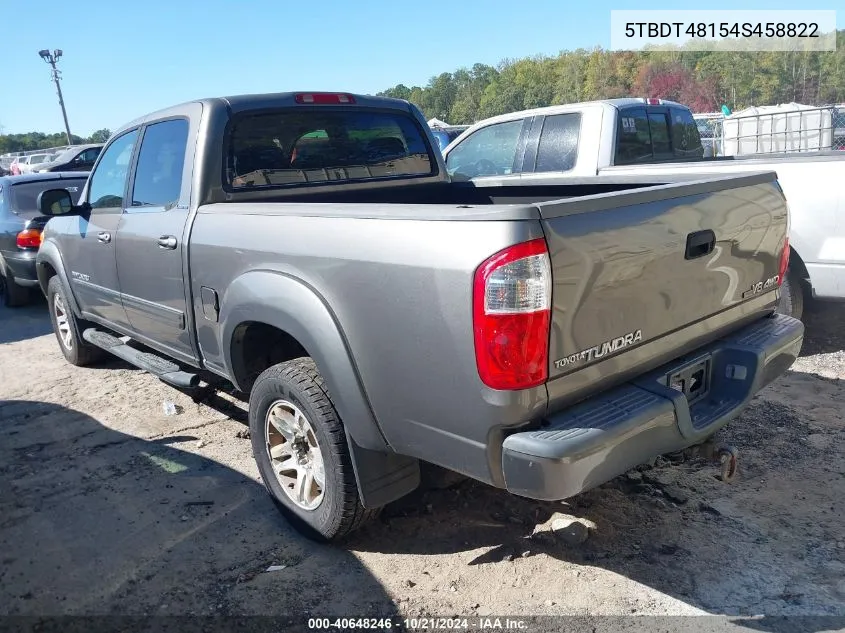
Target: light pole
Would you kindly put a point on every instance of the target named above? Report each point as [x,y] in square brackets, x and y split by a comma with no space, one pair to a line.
[52,58]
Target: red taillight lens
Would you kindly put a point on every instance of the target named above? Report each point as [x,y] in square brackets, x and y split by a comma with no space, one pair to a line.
[784,261]
[29,238]
[512,296]
[324,98]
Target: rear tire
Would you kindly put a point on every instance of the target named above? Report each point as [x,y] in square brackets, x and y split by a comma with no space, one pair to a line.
[14,295]
[68,329]
[791,295]
[300,447]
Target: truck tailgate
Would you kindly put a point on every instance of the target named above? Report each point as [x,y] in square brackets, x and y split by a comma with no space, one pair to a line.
[643,276]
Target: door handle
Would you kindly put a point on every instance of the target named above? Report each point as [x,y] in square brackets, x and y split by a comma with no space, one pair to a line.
[167,241]
[700,243]
[104,237]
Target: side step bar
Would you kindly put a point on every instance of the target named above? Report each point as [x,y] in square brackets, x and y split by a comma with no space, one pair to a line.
[164,369]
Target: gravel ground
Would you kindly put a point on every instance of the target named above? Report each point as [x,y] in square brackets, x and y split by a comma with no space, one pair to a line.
[109,506]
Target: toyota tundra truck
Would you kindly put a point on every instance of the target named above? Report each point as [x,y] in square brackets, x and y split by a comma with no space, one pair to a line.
[311,250]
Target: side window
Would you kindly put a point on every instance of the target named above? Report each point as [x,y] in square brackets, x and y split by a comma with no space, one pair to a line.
[633,140]
[108,182]
[659,126]
[558,147]
[90,155]
[686,140]
[158,176]
[488,152]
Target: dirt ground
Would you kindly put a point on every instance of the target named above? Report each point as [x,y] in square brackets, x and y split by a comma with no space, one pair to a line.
[108,506]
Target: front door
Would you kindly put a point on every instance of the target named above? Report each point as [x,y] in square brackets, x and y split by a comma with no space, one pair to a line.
[150,240]
[89,253]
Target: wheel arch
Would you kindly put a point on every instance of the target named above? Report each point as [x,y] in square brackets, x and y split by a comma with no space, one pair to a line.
[304,324]
[48,264]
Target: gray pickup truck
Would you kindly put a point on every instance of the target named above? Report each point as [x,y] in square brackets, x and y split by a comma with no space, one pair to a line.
[310,249]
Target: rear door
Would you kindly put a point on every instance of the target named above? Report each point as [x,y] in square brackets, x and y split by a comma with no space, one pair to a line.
[89,251]
[151,238]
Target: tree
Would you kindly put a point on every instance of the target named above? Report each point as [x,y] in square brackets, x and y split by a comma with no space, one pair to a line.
[702,80]
[100,136]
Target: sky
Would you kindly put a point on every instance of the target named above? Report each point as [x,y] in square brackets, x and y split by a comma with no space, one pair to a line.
[123,60]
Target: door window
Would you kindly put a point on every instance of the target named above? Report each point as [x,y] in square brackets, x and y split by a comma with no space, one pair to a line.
[558,143]
[158,176]
[89,155]
[488,152]
[108,182]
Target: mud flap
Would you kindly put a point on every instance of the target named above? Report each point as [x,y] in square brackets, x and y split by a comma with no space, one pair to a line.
[382,477]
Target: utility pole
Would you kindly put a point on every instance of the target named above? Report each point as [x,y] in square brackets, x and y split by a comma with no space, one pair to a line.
[52,58]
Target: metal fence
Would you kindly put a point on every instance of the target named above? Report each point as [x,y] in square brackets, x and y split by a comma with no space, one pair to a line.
[799,130]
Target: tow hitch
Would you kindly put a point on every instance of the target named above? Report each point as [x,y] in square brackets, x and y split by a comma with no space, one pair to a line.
[725,454]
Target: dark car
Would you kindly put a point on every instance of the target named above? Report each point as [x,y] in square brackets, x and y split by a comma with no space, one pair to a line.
[446,135]
[77,158]
[20,228]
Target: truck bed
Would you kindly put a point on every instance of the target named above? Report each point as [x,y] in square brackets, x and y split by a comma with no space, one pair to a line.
[398,278]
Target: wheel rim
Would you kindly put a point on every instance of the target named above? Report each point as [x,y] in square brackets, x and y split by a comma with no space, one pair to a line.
[62,322]
[295,454]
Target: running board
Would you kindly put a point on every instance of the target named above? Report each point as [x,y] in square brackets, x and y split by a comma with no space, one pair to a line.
[164,369]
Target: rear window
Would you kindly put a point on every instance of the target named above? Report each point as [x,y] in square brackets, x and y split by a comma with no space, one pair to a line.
[633,141]
[656,135]
[289,147]
[24,196]
[686,135]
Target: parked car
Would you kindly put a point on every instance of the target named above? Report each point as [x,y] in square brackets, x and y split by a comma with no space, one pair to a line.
[31,162]
[445,135]
[21,225]
[658,141]
[79,158]
[540,339]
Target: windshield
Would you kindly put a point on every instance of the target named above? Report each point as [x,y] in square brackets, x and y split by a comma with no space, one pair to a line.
[289,147]
[24,195]
[37,158]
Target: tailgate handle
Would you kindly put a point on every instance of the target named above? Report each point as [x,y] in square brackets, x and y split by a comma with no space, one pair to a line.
[700,243]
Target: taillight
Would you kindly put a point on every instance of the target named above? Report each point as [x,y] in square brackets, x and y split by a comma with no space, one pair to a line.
[324,98]
[512,297]
[784,261]
[29,238]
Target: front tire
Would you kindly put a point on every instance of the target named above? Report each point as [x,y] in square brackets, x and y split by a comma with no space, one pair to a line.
[300,447]
[791,295]
[76,350]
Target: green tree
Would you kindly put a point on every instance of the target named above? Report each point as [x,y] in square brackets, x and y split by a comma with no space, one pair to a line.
[100,136]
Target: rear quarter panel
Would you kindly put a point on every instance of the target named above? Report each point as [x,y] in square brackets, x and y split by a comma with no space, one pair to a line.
[400,293]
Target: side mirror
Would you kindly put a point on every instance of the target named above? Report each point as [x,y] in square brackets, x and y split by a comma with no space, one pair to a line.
[55,202]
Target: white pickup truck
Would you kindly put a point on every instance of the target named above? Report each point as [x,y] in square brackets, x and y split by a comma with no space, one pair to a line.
[617,139]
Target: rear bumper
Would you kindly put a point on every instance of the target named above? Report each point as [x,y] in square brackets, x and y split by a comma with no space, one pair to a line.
[607,435]
[22,267]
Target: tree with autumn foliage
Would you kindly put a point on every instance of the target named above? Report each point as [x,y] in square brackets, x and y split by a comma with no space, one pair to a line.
[703,80]
[677,83]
